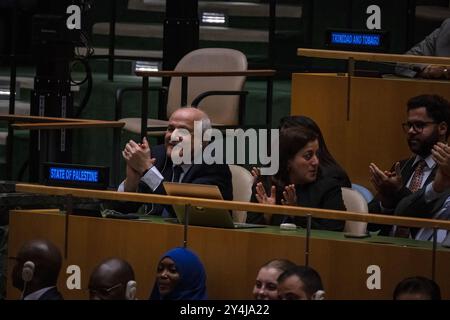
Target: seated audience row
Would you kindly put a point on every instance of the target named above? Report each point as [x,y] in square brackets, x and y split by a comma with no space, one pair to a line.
[180,275]
[308,174]
[301,180]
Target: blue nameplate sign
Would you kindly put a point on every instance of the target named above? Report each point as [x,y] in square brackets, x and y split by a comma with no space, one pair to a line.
[368,40]
[73,175]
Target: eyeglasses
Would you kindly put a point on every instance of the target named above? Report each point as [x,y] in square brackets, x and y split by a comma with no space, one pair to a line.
[104,291]
[417,126]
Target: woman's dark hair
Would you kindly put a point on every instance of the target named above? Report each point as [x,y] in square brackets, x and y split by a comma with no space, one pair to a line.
[292,140]
[418,285]
[325,157]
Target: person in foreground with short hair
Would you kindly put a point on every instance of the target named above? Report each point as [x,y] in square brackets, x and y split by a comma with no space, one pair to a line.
[266,285]
[300,283]
[417,288]
[180,276]
[299,182]
[112,279]
[36,271]
[428,118]
[147,167]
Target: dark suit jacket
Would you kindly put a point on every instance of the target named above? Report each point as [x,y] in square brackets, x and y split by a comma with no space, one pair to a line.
[324,193]
[436,44]
[214,174]
[337,173]
[415,206]
[52,294]
[407,170]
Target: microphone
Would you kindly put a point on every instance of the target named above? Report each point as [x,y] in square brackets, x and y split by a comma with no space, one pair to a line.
[27,274]
[130,291]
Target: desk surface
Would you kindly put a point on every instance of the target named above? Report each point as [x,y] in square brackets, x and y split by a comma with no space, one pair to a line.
[318,234]
[231,257]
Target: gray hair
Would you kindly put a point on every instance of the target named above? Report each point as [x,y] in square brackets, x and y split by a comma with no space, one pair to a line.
[206,122]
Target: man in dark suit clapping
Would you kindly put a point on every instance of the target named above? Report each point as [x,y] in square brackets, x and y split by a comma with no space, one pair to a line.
[428,119]
[148,167]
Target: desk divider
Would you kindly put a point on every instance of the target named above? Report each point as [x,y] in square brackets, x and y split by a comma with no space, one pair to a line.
[233,205]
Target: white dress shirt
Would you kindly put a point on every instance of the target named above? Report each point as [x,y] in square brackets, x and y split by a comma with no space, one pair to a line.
[153,177]
[426,170]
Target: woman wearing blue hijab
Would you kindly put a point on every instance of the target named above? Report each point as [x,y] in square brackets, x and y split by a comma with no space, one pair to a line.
[180,276]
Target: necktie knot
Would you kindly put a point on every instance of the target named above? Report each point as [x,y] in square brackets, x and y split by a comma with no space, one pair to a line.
[421,164]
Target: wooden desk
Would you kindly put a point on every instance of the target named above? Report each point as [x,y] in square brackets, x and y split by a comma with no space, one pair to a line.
[231,257]
[365,125]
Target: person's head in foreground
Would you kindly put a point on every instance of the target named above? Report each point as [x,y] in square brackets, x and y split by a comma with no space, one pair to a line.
[266,285]
[180,275]
[300,283]
[112,279]
[36,271]
[417,288]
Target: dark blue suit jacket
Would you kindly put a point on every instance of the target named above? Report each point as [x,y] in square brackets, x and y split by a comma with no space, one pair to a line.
[407,170]
[214,174]
[52,294]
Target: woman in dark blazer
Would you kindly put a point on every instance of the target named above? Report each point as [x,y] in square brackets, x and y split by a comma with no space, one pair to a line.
[299,181]
[328,164]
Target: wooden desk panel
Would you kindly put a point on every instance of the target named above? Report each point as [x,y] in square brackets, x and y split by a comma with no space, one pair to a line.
[377,107]
[310,93]
[231,257]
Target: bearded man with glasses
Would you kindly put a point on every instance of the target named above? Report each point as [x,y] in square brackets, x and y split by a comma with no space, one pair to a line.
[428,119]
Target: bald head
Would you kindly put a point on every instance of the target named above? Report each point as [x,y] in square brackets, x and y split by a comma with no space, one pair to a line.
[47,261]
[109,279]
[181,127]
[191,114]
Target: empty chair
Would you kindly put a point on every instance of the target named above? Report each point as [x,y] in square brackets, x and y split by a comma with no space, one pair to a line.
[242,181]
[354,202]
[222,108]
